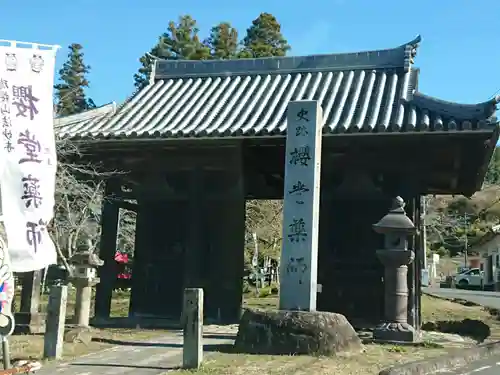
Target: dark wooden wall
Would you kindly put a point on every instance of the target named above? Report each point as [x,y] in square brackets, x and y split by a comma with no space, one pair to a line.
[348,268]
[192,237]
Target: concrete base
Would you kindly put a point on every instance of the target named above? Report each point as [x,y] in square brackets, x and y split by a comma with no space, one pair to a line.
[395,333]
[29,323]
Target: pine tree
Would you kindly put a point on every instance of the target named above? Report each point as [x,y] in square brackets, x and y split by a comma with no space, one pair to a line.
[180,42]
[70,93]
[223,41]
[264,38]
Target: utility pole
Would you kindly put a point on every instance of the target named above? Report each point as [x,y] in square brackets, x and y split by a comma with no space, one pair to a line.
[424,229]
[466,242]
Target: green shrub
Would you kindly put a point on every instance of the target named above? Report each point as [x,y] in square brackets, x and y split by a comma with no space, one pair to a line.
[264,292]
[246,287]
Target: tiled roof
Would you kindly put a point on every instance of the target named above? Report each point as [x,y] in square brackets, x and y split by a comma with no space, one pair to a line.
[361,92]
[68,126]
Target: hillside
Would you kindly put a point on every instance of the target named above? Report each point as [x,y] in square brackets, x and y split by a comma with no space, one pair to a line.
[454,221]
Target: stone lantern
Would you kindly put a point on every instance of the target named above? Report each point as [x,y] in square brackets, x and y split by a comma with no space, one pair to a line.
[84,263]
[396,227]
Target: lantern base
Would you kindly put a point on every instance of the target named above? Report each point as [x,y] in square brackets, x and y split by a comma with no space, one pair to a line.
[395,333]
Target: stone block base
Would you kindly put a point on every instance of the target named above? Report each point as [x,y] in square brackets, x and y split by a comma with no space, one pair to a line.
[296,332]
[29,323]
[395,333]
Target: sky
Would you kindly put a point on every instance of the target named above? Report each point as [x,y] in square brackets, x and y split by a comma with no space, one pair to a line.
[459,55]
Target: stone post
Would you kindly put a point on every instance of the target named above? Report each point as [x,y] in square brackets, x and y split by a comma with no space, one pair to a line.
[396,227]
[192,315]
[56,317]
[299,254]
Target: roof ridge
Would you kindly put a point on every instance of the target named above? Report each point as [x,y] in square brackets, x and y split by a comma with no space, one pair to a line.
[399,57]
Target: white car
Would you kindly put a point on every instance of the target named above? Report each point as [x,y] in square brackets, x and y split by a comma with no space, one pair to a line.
[472,277]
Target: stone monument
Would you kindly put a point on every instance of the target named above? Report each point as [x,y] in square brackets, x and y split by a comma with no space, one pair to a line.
[297,328]
[396,227]
[84,279]
[299,254]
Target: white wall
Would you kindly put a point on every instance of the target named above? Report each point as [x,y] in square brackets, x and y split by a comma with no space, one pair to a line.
[490,248]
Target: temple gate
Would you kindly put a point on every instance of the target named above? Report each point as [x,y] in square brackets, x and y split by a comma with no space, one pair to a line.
[204,136]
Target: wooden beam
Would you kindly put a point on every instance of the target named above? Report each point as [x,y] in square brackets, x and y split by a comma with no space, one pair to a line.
[126,205]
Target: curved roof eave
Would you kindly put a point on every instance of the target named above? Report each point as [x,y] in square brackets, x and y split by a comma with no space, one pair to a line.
[465,112]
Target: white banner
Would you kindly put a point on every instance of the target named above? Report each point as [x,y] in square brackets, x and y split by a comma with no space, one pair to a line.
[28,155]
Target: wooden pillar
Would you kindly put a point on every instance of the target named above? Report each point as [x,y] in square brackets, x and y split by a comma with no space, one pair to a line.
[325,250]
[348,247]
[109,232]
[225,212]
[419,249]
[158,273]
[233,257]
[227,235]
[195,242]
[139,267]
[29,319]
[409,193]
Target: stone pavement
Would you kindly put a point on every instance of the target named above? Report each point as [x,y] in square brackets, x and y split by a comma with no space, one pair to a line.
[149,357]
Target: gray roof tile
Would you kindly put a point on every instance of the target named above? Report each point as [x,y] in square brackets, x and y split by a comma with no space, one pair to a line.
[69,126]
[362,92]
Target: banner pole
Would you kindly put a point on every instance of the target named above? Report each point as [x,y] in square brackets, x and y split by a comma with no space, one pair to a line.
[5,353]
[14,43]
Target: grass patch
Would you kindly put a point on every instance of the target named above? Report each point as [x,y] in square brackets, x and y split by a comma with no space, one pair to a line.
[374,359]
[371,361]
[119,303]
[31,346]
[440,310]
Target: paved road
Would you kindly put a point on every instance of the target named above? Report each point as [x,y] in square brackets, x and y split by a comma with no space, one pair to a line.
[488,299]
[151,357]
[486,367]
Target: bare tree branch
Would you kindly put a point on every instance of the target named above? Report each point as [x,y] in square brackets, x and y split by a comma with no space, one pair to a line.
[264,217]
[79,195]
